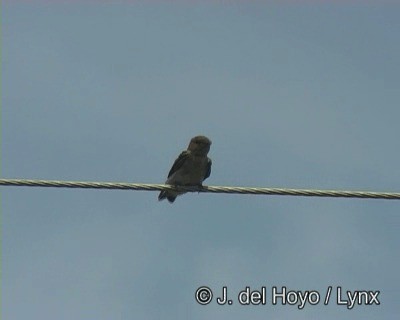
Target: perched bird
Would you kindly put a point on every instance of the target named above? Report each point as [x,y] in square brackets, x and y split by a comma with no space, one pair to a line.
[190,169]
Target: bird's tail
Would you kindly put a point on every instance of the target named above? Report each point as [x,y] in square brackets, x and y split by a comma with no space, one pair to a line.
[164,195]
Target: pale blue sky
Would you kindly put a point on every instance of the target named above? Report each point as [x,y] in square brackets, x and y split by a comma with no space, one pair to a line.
[297,96]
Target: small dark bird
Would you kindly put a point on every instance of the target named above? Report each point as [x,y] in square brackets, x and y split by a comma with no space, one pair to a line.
[190,169]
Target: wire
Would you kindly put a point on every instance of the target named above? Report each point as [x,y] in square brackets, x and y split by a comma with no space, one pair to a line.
[210,189]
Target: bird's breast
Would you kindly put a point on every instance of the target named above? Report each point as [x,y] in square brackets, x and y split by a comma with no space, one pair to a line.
[192,171]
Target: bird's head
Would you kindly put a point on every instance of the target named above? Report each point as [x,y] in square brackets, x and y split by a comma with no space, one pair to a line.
[200,145]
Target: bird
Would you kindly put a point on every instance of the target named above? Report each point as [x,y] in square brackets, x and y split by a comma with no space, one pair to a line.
[191,168]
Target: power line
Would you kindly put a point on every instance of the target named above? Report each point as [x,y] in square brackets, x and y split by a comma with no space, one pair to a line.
[210,189]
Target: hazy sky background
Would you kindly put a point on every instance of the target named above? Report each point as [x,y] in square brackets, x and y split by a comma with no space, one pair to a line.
[293,95]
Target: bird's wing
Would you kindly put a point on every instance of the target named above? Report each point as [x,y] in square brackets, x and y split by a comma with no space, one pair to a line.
[208,171]
[179,162]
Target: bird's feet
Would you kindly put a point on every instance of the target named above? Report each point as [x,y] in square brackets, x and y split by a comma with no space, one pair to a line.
[200,186]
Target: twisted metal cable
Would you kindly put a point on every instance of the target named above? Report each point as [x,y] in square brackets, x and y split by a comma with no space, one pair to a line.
[211,189]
